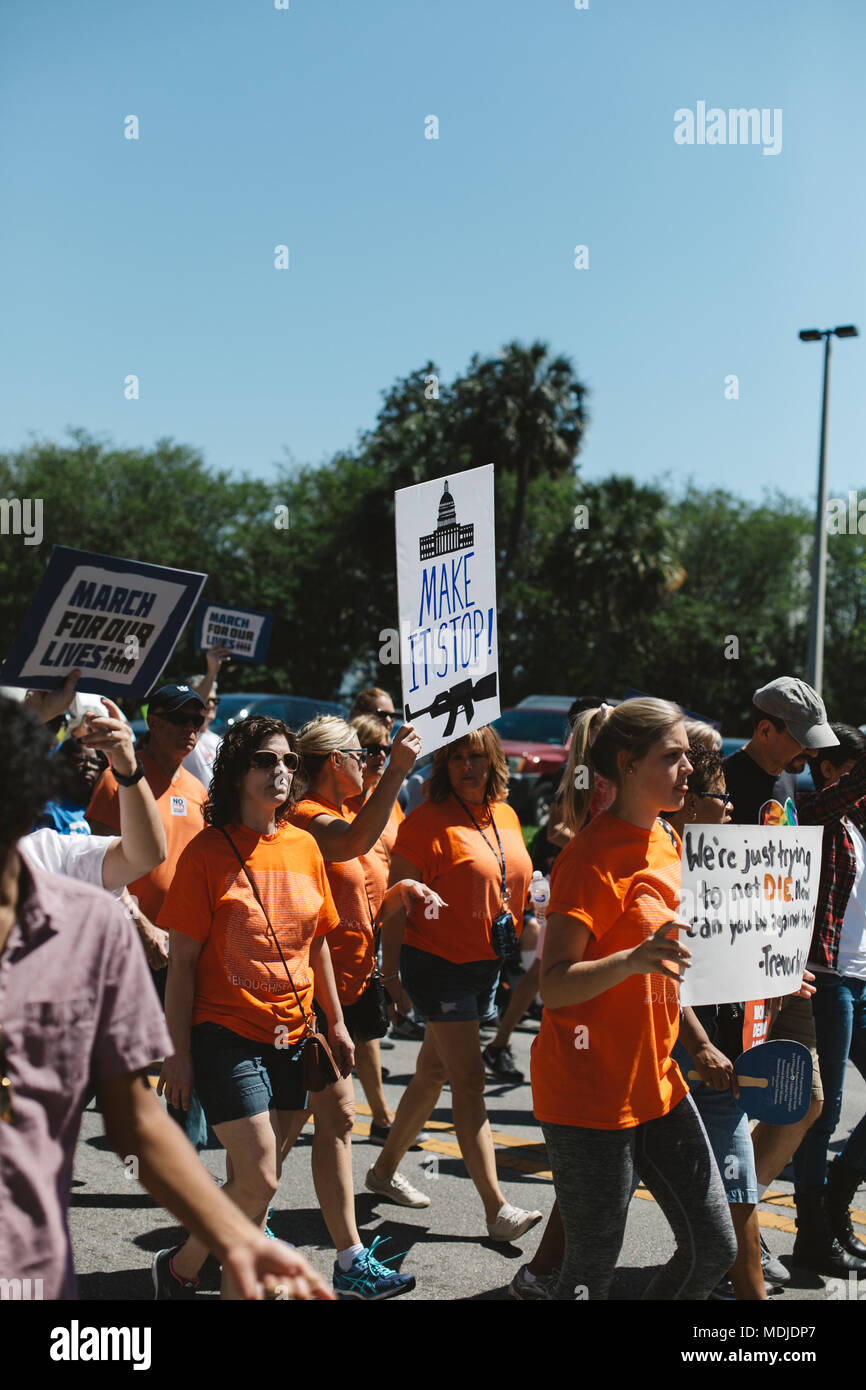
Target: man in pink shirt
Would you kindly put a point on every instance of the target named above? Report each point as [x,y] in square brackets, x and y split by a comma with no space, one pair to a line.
[76,1004]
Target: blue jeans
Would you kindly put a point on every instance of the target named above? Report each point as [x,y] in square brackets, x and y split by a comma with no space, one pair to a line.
[840,1028]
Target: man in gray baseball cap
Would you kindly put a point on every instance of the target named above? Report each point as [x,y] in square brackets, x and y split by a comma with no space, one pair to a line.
[789,725]
[800,708]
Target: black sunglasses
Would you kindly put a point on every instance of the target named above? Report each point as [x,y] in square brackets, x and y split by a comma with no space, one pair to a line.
[374,750]
[717,796]
[385,713]
[179,719]
[267,760]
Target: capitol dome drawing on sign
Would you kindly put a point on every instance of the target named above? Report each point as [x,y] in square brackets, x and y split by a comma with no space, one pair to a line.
[449,535]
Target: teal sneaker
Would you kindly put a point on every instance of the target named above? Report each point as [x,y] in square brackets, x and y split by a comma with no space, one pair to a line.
[369,1280]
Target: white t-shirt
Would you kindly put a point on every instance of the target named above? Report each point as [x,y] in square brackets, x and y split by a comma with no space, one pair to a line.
[852,938]
[200,761]
[77,856]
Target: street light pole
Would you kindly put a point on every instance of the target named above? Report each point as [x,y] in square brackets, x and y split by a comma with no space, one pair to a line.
[815,657]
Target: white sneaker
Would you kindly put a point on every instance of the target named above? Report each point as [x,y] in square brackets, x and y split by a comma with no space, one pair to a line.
[512,1223]
[397,1189]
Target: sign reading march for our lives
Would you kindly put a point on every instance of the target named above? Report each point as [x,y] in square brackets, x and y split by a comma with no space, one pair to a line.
[119,620]
[750,893]
[245,631]
[446,581]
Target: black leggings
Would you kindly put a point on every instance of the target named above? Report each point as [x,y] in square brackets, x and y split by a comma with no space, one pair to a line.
[593,1176]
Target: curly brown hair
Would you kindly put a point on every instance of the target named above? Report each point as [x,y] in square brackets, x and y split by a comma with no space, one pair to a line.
[484,740]
[232,762]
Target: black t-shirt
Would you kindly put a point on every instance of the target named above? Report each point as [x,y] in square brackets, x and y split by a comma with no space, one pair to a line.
[750,786]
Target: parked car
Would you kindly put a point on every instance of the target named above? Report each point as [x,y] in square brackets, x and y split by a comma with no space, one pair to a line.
[563,702]
[294,710]
[535,742]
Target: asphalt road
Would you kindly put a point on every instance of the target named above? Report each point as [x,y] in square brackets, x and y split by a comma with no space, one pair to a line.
[116,1227]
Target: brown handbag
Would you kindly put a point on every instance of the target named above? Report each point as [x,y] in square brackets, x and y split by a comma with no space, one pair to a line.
[319,1069]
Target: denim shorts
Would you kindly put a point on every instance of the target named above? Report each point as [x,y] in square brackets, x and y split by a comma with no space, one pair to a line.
[727,1127]
[446,992]
[237,1077]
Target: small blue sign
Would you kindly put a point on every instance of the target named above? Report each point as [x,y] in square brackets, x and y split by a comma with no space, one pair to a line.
[245,631]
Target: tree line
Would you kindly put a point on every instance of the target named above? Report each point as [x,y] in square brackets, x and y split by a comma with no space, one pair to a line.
[601,585]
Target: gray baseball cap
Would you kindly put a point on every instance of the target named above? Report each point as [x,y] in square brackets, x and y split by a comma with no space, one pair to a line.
[802,709]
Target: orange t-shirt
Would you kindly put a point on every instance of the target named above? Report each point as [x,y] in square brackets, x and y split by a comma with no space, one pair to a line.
[377,863]
[439,839]
[180,800]
[607,1064]
[352,945]
[240,980]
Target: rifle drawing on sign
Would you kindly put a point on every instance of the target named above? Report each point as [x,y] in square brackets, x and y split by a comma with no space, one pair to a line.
[460,697]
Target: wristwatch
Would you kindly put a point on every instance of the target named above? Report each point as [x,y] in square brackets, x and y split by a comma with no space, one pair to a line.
[135,777]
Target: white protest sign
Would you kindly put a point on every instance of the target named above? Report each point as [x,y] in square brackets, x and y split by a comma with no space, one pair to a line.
[446,582]
[750,892]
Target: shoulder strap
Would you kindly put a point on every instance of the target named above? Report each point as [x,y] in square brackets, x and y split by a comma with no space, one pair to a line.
[251,882]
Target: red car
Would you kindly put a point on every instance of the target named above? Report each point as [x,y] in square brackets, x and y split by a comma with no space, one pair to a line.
[535,741]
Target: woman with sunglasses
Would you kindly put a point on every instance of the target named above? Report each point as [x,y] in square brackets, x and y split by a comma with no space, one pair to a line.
[465,842]
[231,1005]
[375,740]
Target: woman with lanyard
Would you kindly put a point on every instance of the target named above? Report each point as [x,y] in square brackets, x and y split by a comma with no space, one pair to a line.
[248,913]
[609,1096]
[465,842]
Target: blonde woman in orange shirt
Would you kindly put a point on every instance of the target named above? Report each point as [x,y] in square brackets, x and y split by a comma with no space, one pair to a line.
[610,1099]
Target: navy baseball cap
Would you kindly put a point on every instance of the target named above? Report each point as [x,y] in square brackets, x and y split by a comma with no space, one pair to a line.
[171,697]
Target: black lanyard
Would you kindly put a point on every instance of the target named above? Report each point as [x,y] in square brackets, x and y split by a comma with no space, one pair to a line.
[500,857]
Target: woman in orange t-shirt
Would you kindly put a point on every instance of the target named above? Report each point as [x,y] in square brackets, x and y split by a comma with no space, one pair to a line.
[233,1014]
[610,1099]
[465,842]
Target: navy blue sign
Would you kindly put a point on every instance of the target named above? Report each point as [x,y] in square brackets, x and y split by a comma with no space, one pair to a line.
[245,631]
[119,620]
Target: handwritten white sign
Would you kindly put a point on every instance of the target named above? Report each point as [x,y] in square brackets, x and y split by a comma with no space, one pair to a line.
[750,892]
[446,581]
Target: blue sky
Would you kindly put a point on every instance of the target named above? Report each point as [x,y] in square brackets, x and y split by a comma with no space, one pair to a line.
[306,127]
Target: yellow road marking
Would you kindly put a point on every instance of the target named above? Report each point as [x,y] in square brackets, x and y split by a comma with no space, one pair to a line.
[536,1165]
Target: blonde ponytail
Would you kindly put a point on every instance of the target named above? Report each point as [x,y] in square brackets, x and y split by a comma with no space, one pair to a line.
[599,736]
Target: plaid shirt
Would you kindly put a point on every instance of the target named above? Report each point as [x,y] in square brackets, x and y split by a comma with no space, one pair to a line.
[847,797]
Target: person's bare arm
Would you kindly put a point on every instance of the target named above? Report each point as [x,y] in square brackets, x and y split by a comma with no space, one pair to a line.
[339,840]
[713,1067]
[567,979]
[558,832]
[325,991]
[170,1170]
[405,888]
[215,657]
[176,1076]
[142,836]
[153,938]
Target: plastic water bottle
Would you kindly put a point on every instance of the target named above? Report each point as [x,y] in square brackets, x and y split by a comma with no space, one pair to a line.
[539,896]
[539,893]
